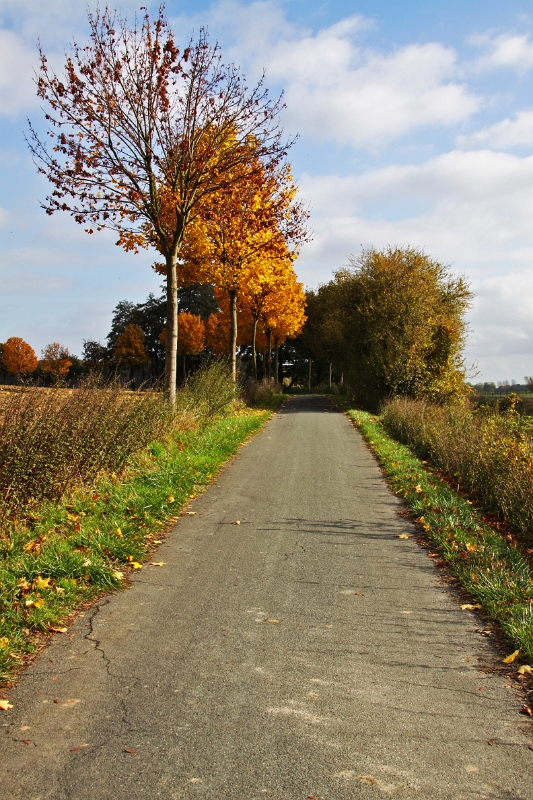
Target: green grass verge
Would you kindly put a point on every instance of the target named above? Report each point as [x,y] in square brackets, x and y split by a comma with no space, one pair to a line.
[492,568]
[72,552]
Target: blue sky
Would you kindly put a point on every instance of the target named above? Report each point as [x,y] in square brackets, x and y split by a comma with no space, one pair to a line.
[416,127]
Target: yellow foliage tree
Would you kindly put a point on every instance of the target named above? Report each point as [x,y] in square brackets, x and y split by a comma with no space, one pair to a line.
[55,360]
[241,231]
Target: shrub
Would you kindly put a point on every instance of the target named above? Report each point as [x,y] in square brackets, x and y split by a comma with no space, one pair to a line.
[488,451]
[260,393]
[54,439]
[210,391]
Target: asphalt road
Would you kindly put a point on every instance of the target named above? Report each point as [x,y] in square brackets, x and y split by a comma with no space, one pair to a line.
[305,652]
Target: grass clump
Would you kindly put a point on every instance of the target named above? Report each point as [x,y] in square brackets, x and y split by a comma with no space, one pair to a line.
[491,567]
[489,452]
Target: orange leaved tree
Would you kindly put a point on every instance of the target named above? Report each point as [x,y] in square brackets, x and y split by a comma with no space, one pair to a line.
[141,133]
[18,357]
[55,360]
[192,337]
[131,350]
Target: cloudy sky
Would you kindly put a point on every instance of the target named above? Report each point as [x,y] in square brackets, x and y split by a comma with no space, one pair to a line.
[416,127]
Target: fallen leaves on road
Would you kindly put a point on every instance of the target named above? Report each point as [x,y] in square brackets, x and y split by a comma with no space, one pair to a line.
[190,513]
[237,522]
[157,563]
[272,620]
[525,669]
[5,705]
[511,658]
[527,710]
[130,751]
[368,778]
[471,606]
[57,629]
[402,536]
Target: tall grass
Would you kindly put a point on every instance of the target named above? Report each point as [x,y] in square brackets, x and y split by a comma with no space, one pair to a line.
[53,440]
[488,452]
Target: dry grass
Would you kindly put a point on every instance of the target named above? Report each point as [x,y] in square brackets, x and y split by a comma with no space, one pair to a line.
[488,452]
[51,441]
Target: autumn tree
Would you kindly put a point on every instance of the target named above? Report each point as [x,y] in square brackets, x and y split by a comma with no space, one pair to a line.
[245,228]
[130,350]
[56,360]
[192,337]
[140,134]
[283,316]
[403,328]
[18,357]
[269,293]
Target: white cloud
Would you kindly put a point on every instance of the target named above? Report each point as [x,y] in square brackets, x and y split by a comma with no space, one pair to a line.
[503,135]
[473,207]
[336,88]
[22,24]
[505,50]
[17,60]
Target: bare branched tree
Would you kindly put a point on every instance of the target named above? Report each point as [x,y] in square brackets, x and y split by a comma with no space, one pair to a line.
[135,126]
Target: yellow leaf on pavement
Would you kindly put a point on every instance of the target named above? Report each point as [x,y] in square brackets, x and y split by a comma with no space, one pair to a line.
[403,536]
[5,704]
[158,563]
[525,669]
[272,620]
[136,565]
[511,658]
[237,522]
[57,629]
[470,606]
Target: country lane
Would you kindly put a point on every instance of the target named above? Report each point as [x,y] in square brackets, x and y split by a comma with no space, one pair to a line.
[305,652]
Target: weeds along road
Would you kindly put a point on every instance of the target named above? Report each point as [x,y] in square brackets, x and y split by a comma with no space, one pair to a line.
[305,652]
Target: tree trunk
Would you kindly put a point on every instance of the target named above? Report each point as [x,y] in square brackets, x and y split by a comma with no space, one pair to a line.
[309,375]
[233,332]
[269,356]
[254,355]
[280,365]
[276,364]
[329,376]
[171,343]
[184,369]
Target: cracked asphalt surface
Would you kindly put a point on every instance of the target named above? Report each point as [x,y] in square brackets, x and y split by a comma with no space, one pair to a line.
[306,652]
